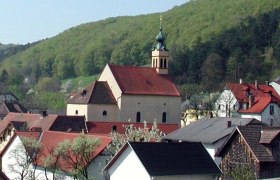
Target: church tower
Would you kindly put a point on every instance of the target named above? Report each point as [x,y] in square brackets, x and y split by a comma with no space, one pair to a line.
[160,54]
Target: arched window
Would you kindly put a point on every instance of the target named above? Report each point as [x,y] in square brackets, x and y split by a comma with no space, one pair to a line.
[164,117]
[161,63]
[76,112]
[104,113]
[164,64]
[138,117]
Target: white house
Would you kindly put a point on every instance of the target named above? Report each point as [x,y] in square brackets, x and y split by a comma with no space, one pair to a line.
[49,140]
[125,93]
[162,161]
[259,101]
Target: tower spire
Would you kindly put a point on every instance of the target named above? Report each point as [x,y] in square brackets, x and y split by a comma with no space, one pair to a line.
[160,54]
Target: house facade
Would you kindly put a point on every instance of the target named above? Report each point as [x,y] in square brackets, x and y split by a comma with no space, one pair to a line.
[259,101]
[133,93]
[176,161]
[254,148]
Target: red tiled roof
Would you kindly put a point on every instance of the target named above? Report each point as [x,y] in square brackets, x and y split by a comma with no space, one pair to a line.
[49,122]
[106,127]
[50,140]
[143,81]
[258,106]
[30,119]
[261,96]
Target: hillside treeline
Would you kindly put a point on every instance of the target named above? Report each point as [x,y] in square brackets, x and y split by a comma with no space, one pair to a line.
[210,41]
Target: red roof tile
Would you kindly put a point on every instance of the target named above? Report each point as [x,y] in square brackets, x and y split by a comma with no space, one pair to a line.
[258,106]
[50,140]
[143,81]
[261,96]
[106,127]
[49,122]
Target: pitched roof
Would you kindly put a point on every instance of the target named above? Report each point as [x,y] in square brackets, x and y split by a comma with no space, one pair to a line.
[261,90]
[3,176]
[98,92]
[209,130]
[107,127]
[143,81]
[259,105]
[37,121]
[68,123]
[261,96]
[267,135]
[50,140]
[251,135]
[162,159]
[6,107]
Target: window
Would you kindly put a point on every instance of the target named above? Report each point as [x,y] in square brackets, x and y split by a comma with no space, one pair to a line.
[104,113]
[271,110]
[161,63]
[219,107]
[138,117]
[271,122]
[76,112]
[164,64]
[164,117]
[114,128]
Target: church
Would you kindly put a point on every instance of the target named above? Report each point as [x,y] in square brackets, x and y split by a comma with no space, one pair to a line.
[129,93]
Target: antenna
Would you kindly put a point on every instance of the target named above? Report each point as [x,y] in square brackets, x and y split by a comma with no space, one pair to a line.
[160,20]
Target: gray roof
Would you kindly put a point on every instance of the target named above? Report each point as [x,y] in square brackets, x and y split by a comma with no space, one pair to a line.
[208,130]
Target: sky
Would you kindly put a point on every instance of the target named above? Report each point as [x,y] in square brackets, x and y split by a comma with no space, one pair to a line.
[26,21]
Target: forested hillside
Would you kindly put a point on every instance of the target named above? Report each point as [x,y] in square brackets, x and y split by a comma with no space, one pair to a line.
[211,41]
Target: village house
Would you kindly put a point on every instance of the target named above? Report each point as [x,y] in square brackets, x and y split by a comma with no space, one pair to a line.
[162,161]
[38,122]
[212,132]
[132,93]
[259,101]
[49,141]
[255,148]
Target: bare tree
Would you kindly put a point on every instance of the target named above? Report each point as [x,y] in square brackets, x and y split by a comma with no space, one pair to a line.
[25,157]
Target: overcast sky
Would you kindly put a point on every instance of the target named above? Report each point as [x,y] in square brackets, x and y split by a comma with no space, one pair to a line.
[23,21]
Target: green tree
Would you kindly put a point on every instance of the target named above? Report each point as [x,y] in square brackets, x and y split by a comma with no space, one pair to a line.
[77,154]
[242,172]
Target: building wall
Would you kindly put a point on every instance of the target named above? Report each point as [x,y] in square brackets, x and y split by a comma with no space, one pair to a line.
[226,104]
[81,109]
[108,76]
[128,166]
[276,86]
[8,159]
[238,153]
[151,108]
[96,112]
[265,116]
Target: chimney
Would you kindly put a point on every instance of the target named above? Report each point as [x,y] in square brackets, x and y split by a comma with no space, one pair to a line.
[266,83]
[44,113]
[228,124]
[256,84]
[240,81]
[250,101]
